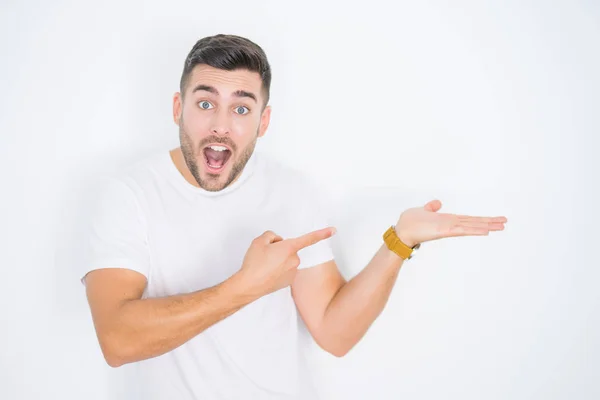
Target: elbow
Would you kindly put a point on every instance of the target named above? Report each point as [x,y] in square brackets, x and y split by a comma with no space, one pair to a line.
[338,353]
[335,348]
[113,352]
[333,342]
[113,361]
[113,358]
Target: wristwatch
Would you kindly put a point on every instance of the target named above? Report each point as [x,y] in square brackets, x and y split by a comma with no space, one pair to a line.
[394,243]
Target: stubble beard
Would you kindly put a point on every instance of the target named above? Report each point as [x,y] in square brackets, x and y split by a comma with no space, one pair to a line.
[212,184]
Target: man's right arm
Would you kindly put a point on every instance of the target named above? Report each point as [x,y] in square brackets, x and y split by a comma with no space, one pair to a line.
[131,329]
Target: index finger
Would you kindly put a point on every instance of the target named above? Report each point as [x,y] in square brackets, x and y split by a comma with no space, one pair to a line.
[469,218]
[312,238]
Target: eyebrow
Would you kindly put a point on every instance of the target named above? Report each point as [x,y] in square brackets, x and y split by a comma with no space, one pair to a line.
[213,90]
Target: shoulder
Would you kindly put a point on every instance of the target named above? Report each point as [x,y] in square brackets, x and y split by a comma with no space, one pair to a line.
[130,182]
[138,174]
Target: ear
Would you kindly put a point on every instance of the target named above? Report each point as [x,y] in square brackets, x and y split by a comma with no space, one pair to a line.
[177,107]
[265,118]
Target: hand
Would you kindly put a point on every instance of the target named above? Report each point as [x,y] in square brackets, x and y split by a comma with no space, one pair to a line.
[271,262]
[422,224]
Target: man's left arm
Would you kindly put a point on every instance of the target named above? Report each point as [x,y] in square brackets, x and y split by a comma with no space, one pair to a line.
[339,313]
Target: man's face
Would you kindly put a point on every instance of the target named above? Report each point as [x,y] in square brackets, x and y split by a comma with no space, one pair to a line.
[220,118]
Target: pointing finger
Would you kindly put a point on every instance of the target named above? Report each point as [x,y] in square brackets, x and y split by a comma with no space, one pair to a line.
[312,238]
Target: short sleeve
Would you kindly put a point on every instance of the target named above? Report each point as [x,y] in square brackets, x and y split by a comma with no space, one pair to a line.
[314,216]
[117,231]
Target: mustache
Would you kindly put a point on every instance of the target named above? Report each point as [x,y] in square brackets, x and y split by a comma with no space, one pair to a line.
[214,139]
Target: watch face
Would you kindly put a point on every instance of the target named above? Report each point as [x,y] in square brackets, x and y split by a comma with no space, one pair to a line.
[414,250]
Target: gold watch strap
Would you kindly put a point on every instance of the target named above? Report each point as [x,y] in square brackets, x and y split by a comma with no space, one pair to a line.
[394,243]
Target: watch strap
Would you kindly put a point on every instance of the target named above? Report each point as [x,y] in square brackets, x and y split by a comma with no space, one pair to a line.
[394,243]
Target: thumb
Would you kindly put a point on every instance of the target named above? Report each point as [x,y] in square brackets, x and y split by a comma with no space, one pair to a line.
[269,237]
[433,205]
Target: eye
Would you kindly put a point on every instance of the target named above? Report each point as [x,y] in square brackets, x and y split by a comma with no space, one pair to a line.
[240,110]
[205,105]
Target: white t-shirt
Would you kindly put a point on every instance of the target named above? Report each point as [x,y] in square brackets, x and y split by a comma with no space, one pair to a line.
[184,239]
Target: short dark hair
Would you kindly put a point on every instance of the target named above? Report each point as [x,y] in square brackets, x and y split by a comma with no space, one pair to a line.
[228,52]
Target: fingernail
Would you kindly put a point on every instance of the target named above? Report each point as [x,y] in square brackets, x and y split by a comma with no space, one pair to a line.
[333,231]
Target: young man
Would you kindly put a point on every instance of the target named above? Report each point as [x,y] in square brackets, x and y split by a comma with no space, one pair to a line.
[202,257]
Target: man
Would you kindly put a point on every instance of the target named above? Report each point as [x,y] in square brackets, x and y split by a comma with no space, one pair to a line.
[202,258]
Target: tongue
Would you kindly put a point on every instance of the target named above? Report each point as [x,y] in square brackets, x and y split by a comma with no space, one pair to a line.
[216,158]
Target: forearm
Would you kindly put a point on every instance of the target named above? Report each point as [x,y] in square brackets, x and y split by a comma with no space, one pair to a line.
[360,301]
[147,328]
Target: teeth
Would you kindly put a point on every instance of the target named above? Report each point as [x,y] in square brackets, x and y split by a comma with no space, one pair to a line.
[218,148]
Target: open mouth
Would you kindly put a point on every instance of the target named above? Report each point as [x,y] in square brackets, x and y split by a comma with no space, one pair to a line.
[216,157]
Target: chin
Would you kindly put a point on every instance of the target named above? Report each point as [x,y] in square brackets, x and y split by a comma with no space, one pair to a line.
[214,179]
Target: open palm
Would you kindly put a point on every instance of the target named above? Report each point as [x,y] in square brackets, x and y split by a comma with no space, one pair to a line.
[422,224]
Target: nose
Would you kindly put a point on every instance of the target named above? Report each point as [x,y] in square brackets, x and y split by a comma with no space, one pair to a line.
[221,123]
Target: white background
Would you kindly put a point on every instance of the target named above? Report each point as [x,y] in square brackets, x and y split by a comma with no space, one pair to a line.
[491,107]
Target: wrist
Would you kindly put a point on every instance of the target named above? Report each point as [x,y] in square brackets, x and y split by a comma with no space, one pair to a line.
[240,288]
[404,238]
[389,255]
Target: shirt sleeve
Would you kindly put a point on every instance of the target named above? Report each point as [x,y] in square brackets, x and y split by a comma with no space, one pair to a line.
[116,234]
[314,216]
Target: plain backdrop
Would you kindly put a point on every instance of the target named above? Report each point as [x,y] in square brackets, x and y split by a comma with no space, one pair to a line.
[490,106]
